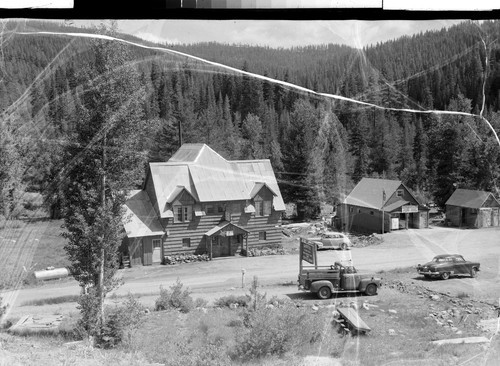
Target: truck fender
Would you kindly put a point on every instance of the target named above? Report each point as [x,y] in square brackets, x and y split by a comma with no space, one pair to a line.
[365,282]
[316,285]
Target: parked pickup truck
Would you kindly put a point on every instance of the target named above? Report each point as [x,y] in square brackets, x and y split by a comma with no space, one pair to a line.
[337,278]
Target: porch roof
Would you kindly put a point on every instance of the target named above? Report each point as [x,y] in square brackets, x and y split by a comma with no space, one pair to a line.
[223,225]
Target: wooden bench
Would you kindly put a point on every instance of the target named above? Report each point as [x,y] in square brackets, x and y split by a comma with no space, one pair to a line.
[353,320]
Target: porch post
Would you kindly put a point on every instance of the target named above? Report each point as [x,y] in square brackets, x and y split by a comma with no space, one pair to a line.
[210,238]
[246,244]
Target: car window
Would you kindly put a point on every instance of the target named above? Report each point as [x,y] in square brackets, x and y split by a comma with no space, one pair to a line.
[459,259]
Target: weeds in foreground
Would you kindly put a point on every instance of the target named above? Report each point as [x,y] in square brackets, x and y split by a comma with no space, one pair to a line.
[227,301]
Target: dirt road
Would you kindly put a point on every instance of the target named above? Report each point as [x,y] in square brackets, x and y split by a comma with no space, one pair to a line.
[399,249]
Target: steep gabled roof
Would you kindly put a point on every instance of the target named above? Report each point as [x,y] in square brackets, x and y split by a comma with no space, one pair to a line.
[208,177]
[258,186]
[369,192]
[469,198]
[140,217]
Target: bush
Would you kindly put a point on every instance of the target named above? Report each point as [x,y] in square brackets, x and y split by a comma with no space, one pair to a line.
[176,298]
[276,332]
[226,301]
[200,303]
[121,321]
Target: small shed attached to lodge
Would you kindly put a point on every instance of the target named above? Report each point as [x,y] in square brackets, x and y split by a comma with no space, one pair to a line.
[381,205]
[471,208]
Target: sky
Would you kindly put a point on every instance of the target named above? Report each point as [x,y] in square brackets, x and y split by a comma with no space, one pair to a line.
[276,33]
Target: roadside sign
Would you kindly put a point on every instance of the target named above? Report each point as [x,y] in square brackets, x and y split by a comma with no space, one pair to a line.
[409,208]
[307,251]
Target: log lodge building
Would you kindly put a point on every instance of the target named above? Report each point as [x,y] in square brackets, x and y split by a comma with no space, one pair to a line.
[200,203]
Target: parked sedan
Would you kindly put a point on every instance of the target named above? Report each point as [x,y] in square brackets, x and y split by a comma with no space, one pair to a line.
[446,265]
[332,240]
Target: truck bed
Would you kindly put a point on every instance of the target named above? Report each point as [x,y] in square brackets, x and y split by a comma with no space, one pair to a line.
[317,274]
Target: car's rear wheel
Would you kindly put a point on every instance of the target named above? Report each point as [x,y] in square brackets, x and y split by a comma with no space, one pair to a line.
[445,275]
[324,292]
[427,276]
[371,289]
[343,246]
[473,272]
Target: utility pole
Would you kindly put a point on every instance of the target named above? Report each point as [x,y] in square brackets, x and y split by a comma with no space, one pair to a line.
[179,126]
[383,213]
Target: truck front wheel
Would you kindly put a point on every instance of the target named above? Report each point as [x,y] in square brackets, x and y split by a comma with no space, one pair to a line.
[371,289]
[324,292]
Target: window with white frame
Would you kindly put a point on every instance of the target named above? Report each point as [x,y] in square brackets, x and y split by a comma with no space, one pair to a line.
[183,213]
[186,242]
[267,208]
[259,208]
[156,243]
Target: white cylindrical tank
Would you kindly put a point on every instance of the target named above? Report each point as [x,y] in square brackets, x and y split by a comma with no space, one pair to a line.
[50,274]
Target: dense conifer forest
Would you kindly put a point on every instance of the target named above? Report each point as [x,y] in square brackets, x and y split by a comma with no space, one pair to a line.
[319,148]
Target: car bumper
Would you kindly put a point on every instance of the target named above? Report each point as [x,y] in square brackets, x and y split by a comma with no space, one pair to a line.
[429,273]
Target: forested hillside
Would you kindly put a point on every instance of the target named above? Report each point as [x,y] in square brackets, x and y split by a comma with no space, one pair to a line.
[319,148]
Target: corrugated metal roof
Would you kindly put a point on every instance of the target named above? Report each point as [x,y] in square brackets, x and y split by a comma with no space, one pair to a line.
[260,171]
[468,198]
[140,217]
[209,177]
[166,177]
[369,192]
[395,205]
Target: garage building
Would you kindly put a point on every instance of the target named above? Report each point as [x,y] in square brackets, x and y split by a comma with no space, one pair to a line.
[380,206]
[471,208]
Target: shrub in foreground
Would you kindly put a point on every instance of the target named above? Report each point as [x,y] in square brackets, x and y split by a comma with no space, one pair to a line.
[226,301]
[121,321]
[175,298]
[277,332]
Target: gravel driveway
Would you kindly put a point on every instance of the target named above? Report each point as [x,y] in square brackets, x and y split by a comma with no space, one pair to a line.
[278,274]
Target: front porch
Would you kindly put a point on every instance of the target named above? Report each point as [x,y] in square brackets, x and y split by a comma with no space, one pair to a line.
[226,239]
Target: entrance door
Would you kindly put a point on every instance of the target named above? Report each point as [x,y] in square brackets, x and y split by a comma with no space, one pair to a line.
[147,252]
[464,216]
[156,258]
[225,249]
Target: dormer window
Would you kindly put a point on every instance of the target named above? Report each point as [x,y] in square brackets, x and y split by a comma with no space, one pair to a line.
[267,208]
[183,213]
[259,208]
[263,208]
